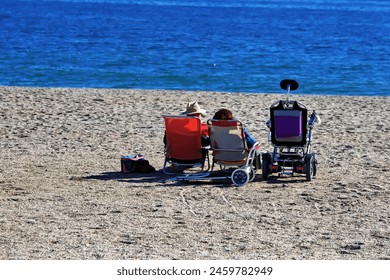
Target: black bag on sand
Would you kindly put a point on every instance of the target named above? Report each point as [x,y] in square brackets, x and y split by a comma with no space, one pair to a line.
[136,164]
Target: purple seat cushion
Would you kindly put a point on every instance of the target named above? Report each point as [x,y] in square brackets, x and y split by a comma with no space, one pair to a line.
[288,126]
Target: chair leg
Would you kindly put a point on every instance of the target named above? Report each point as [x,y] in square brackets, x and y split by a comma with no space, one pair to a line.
[165,166]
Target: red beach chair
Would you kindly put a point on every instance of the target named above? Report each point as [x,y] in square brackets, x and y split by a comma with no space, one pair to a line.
[183,148]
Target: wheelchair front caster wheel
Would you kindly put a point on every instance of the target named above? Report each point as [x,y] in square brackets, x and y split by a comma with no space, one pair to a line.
[240,176]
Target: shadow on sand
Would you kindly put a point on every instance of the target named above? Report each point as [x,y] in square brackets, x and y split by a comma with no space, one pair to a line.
[158,178]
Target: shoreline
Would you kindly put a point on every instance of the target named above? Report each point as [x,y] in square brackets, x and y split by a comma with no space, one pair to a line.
[278,91]
[63,196]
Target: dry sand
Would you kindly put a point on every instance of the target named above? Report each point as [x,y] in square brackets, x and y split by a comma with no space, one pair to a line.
[62,195]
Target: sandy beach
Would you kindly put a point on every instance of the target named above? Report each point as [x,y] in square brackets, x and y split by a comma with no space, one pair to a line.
[63,196]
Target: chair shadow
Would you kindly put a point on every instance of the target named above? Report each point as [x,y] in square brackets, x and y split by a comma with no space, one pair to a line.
[159,178]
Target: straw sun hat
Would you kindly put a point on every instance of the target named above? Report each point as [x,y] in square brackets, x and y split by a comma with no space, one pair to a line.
[193,108]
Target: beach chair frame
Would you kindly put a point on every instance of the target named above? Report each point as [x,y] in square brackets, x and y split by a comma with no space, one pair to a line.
[229,149]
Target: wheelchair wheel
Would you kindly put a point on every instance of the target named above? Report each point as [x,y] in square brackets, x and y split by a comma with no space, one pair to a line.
[266,165]
[310,166]
[241,176]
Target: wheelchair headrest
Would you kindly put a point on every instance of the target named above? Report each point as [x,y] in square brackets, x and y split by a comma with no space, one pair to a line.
[292,83]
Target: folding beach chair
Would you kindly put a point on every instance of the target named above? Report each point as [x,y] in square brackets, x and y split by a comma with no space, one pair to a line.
[230,149]
[291,135]
[183,147]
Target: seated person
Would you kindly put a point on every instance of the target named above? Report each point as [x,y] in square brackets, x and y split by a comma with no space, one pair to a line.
[193,109]
[225,114]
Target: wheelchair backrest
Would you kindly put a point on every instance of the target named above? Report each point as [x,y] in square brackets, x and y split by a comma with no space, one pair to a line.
[288,123]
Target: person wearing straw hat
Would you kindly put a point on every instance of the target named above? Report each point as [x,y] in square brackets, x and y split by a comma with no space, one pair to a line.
[193,109]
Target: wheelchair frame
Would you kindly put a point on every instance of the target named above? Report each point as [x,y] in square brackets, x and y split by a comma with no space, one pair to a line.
[290,155]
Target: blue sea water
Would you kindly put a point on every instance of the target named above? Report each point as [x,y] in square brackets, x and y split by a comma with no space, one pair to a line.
[329,47]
